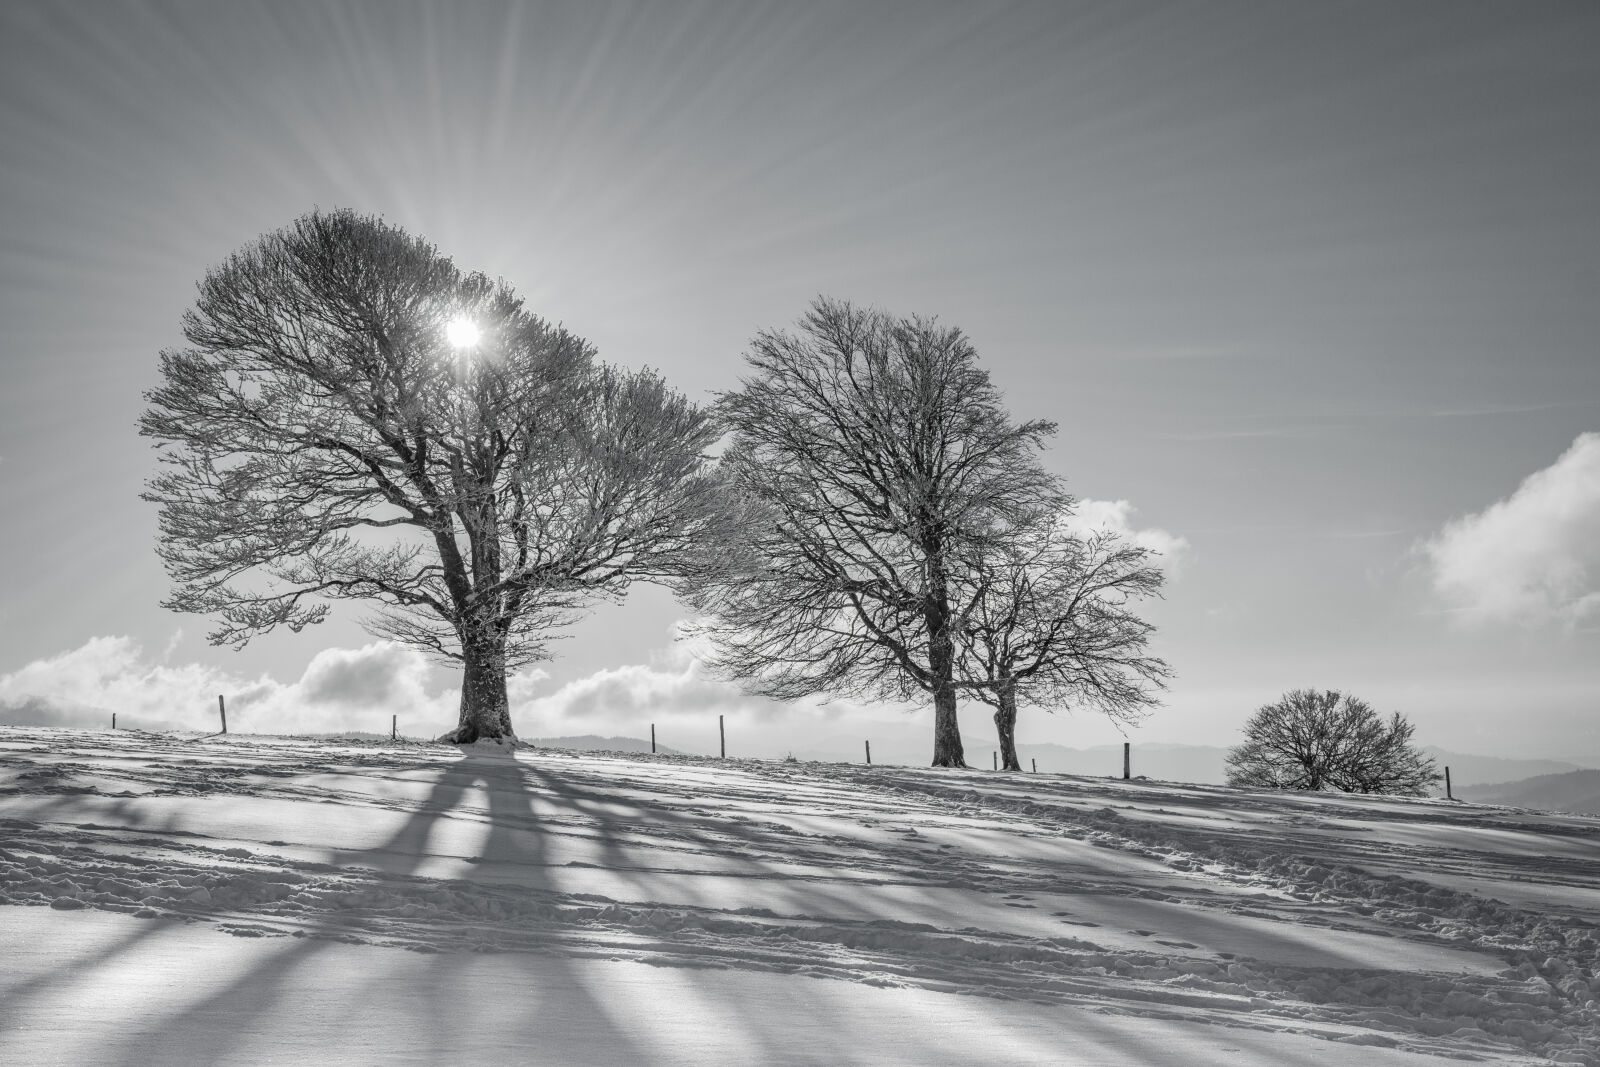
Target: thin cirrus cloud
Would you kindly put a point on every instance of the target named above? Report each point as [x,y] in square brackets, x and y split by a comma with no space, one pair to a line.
[1532,558]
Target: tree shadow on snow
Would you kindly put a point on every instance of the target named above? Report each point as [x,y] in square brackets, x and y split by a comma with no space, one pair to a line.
[244,1009]
[530,831]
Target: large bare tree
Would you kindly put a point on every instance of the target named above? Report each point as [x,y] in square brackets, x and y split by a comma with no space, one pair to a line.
[1048,621]
[323,439]
[877,448]
[1311,739]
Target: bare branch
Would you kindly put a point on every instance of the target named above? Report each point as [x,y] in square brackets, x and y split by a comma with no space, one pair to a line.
[1325,740]
[326,443]
[874,448]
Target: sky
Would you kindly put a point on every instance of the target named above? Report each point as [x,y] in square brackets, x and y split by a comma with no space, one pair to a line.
[1311,290]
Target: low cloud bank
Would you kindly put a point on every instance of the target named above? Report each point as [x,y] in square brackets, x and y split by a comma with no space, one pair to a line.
[340,689]
[639,692]
[360,688]
[1534,557]
[347,689]
[674,692]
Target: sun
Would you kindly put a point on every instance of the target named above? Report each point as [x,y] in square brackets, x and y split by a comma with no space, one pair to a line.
[462,332]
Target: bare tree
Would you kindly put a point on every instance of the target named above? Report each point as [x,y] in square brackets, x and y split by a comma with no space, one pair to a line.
[323,440]
[1323,740]
[877,448]
[1049,622]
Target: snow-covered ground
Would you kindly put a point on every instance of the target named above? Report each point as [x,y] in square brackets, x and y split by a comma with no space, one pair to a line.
[248,899]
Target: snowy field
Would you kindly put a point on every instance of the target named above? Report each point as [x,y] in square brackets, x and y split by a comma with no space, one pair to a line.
[250,899]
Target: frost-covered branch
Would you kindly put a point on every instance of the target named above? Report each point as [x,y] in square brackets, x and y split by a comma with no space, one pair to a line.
[320,440]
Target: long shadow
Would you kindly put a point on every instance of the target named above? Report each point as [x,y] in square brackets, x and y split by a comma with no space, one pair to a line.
[755,848]
[15,997]
[511,800]
[525,813]
[211,1027]
[653,820]
[1288,939]
[793,875]
[66,808]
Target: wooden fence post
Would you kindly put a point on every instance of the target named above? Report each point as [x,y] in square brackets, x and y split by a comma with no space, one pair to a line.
[1448,795]
[869,753]
[722,736]
[222,709]
[996,756]
[1127,762]
[394,727]
[652,739]
[1035,763]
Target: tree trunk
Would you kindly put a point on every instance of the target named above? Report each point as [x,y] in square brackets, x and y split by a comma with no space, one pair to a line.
[485,708]
[1005,721]
[947,750]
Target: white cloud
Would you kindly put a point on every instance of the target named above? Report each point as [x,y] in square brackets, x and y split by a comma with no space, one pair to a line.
[674,693]
[1116,516]
[1533,557]
[359,688]
[373,676]
[341,689]
[84,686]
[672,685]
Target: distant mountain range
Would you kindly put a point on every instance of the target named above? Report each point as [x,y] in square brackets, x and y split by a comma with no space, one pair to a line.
[1469,770]
[596,743]
[1574,791]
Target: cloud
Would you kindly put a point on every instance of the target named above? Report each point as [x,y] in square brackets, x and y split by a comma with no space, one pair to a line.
[84,686]
[1115,516]
[375,676]
[340,689]
[622,698]
[32,711]
[674,693]
[359,688]
[1533,557]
